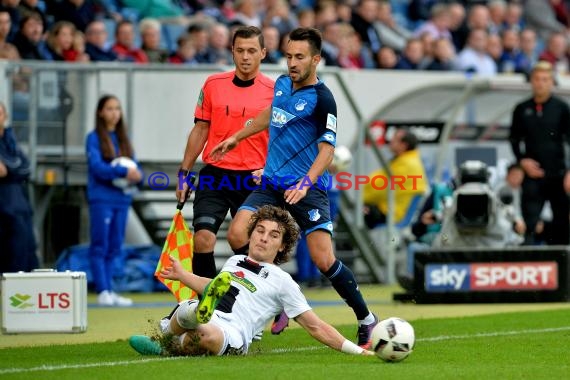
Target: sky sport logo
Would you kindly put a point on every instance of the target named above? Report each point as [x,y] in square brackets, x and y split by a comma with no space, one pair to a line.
[468,277]
[20,301]
[340,181]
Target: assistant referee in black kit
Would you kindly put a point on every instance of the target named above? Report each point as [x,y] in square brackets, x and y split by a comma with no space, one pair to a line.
[540,132]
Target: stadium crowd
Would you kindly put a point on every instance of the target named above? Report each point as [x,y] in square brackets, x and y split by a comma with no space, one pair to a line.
[478,36]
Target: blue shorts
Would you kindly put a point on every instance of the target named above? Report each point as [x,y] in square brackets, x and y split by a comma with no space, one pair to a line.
[311,213]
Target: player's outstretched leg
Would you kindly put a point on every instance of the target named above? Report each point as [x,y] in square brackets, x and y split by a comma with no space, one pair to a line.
[213,293]
[145,345]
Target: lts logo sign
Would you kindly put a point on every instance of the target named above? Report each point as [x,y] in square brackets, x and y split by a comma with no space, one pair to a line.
[44,301]
[491,276]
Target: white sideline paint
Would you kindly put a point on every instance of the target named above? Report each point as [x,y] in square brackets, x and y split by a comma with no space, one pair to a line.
[278,350]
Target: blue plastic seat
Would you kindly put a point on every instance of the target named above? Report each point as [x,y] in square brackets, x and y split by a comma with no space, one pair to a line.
[408,217]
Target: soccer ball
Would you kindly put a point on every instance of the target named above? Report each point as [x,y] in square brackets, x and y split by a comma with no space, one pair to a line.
[393,339]
[342,158]
[123,183]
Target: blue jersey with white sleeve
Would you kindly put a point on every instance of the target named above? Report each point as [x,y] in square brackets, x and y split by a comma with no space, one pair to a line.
[300,120]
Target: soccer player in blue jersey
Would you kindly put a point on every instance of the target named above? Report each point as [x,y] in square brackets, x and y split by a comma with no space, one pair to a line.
[302,139]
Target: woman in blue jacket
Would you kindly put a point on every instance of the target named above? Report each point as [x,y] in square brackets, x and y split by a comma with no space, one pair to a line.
[109,201]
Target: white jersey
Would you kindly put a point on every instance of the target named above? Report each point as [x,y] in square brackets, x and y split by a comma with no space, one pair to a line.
[258,292]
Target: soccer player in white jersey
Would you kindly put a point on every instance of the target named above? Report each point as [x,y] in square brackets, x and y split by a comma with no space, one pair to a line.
[245,296]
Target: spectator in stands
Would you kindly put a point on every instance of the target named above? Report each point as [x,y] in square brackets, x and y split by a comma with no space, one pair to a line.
[60,42]
[272,43]
[124,44]
[219,44]
[29,40]
[555,53]
[247,12]
[185,52]
[344,10]
[456,23]
[497,12]
[325,14]
[17,239]
[540,16]
[7,50]
[108,204]
[78,12]
[477,18]
[330,43]
[200,34]
[528,46]
[11,6]
[386,58]
[509,192]
[443,56]
[280,16]
[513,59]
[412,56]
[306,18]
[28,6]
[427,46]
[362,21]
[352,54]
[495,48]
[150,30]
[539,140]
[390,32]
[96,39]
[438,24]
[474,57]
[513,17]
[406,162]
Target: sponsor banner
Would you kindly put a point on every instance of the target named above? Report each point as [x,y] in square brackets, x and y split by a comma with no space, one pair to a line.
[473,277]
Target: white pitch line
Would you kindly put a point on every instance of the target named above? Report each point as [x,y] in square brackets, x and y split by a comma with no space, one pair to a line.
[277,350]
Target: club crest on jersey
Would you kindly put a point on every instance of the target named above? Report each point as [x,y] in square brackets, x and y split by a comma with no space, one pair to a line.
[279,93]
[280,117]
[300,105]
[314,215]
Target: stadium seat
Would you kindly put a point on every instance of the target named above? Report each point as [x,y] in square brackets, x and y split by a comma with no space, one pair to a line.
[170,34]
[408,217]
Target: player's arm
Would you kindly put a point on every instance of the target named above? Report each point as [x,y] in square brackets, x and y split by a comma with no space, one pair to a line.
[194,146]
[178,273]
[321,163]
[325,333]
[258,124]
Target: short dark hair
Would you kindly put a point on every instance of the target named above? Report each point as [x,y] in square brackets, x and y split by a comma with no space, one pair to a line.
[409,138]
[249,32]
[513,166]
[285,222]
[311,35]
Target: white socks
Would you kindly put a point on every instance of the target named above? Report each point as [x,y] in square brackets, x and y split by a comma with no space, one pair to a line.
[186,315]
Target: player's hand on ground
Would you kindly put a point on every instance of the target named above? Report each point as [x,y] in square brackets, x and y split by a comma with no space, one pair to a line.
[134,175]
[295,193]
[256,174]
[222,148]
[532,168]
[368,353]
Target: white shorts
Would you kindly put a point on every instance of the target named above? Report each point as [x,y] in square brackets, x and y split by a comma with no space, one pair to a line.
[234,342]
